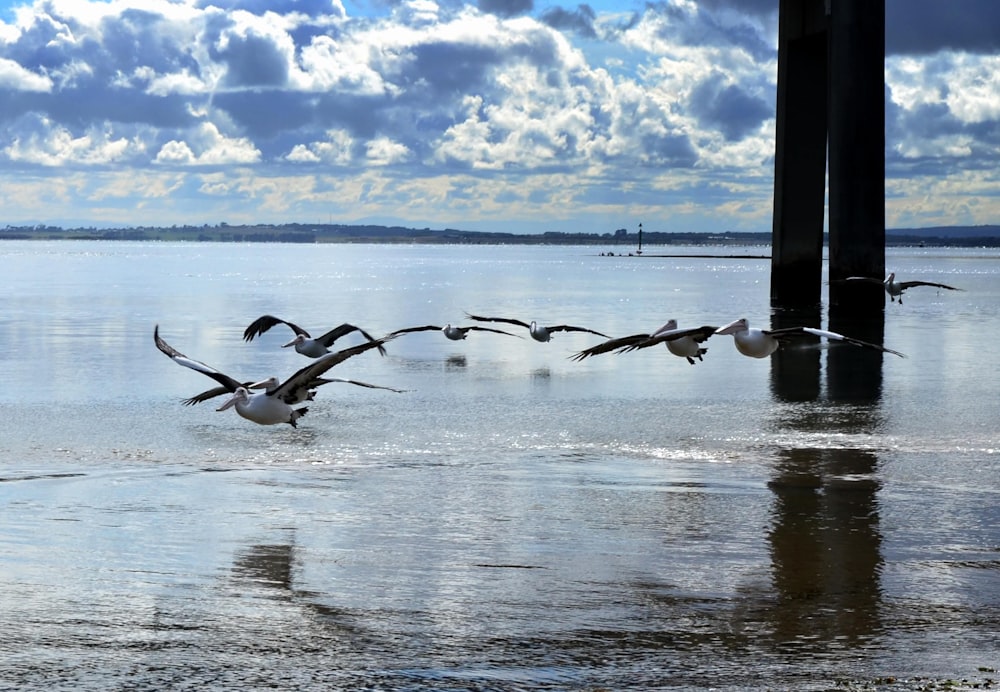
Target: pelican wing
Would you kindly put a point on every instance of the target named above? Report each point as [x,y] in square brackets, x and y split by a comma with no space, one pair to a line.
[865,279]
[621,342]
[903,285]
[211,394]
[265,322]
[568,328]
[337,332]
[225,380]
[699,334]
[408,330]
[834,336]
[480,318]
[487,329]
[327,380]
[318,367]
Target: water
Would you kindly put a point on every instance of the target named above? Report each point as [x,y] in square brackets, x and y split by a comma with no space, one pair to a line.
[516,519]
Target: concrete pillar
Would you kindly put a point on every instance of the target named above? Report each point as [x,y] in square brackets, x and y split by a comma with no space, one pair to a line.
[800,154]
[857,151]
[831,91]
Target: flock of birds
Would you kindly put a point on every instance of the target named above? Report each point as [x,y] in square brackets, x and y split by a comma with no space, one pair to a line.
[271,401]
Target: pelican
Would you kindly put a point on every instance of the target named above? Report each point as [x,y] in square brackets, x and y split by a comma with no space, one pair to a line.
[685,343]
[303,343]
[537,331]
[760,343]
[302,394]
[895,288]
[275,404]
[450,331]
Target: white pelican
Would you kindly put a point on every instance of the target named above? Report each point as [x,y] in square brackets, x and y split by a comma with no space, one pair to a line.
[303,343]
[274,405]
[895,288]
[685,343]
[537,331]
[450,331]
[760,343]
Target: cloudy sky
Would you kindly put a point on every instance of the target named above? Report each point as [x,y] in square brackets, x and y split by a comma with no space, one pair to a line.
[508,115]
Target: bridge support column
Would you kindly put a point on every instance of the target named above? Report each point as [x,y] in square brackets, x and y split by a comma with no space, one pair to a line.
[831,91]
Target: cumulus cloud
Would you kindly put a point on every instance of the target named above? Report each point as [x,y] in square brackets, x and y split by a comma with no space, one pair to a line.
[494,112]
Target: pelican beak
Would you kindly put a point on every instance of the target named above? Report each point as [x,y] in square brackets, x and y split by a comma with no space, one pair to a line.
[260,385]
[290,343]
[230,402]
[731,328]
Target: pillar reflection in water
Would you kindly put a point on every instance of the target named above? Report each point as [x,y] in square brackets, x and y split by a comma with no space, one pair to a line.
[824,536]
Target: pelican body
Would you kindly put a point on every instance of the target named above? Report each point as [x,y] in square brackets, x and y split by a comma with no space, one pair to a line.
[537,331]
[760,343]
[684,343]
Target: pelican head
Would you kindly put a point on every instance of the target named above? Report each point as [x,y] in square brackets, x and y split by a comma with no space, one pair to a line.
[669,326]
[299,339]
[269,383]
[240,396]
[892,277]
[740,325]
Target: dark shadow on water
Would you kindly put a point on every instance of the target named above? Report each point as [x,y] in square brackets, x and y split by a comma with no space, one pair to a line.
[824,536]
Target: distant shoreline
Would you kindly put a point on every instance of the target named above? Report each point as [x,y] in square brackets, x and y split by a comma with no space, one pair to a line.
[620,242]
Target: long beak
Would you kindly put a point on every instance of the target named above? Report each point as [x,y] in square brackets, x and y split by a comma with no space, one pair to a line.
[230,402]
[733,326]
[290,343]
[260,385]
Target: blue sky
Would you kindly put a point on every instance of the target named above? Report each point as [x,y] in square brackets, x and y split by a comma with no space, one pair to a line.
[503,115]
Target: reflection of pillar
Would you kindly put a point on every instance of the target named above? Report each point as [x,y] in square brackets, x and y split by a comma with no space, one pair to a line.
[855,374]
[825,546]
[795,371]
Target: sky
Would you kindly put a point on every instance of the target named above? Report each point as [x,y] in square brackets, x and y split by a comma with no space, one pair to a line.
[519,116]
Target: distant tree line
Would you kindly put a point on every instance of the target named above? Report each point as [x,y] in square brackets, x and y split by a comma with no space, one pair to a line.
[964,236]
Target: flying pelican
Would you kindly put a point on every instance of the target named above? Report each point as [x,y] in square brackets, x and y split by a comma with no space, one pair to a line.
[450,331]
[760,343]
[686,343]
[895,288]
[537,331]
[274,405]
[303,343]
[305,393]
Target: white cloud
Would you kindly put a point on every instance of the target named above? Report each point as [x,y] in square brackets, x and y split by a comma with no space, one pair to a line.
[439,111]
[207,146]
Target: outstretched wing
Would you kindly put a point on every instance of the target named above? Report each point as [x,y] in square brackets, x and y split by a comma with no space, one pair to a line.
[487,329]
[327,380]
[903,285]
[211,394]
[318,367]
[337,332]
[568,328]
[611,345]
[225,380]
[834,336]
[265,322]
[480,318]
[407,330]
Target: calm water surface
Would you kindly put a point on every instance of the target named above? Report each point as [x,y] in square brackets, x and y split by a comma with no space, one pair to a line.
[515,519]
